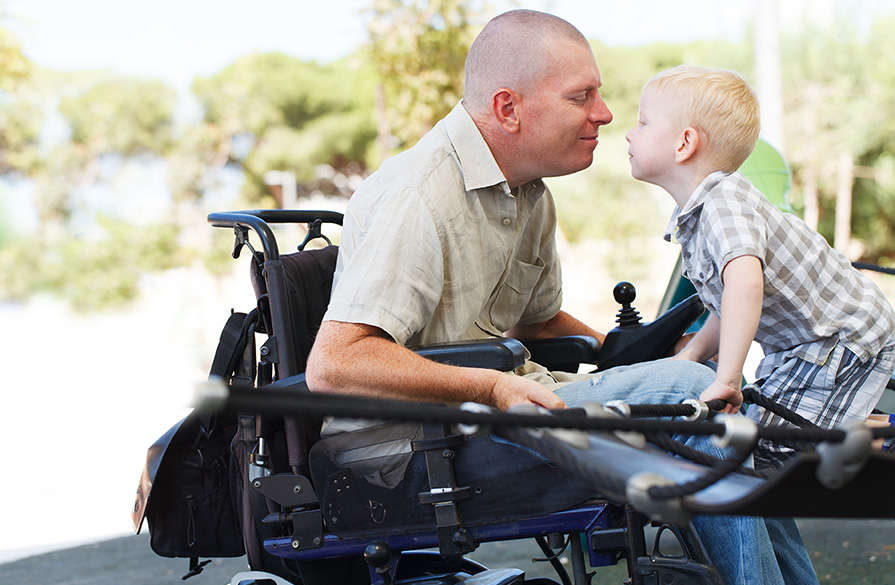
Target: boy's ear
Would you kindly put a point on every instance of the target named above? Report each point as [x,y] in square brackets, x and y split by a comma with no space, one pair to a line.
[504,105]
[687,145]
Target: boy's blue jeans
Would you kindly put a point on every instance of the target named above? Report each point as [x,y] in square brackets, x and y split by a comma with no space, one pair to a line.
[739,546]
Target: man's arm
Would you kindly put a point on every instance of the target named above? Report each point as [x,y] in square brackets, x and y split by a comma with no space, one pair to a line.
[560,324]
[352,358]
[740,313]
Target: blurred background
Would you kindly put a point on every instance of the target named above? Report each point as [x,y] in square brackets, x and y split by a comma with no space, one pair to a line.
[122,125]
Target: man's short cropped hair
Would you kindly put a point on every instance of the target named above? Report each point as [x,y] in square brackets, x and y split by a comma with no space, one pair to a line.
[718,103]
[510,52]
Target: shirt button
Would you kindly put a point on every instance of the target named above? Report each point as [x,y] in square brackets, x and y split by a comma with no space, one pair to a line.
[507,221]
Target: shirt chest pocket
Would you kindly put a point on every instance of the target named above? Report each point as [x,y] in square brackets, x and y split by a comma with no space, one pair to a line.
[513,296]
[701,269]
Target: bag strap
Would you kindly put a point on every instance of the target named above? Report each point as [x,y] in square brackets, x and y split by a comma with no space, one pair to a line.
[232,344]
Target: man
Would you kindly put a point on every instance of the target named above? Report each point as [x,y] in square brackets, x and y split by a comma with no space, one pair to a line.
[455,239]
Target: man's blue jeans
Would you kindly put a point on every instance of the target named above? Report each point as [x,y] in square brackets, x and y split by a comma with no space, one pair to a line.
[740,547]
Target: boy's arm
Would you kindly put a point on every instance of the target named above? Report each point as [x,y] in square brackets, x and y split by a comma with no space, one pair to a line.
[740,313]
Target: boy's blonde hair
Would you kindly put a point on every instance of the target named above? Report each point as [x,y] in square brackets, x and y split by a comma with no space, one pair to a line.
[718,103]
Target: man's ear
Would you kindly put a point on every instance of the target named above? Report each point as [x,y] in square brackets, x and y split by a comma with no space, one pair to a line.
[504,104]
[687,146]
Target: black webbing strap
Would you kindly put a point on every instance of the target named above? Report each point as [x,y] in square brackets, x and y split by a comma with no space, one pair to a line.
[232,345]
[443,494]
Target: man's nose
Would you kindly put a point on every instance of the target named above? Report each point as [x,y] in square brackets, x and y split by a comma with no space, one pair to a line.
[600,114]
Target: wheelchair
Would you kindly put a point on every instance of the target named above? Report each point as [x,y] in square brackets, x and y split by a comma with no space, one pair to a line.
[310,510]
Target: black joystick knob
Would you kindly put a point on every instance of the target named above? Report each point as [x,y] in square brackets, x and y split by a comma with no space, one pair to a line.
[378,554]
[625,293]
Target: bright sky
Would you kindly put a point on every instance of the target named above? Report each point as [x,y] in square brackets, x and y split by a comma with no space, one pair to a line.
[178,39]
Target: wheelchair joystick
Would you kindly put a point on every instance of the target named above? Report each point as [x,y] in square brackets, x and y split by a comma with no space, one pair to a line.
[627,316]
[632,341]
[377,555]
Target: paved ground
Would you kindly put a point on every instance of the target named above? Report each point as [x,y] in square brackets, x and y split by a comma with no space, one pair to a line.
[844,551]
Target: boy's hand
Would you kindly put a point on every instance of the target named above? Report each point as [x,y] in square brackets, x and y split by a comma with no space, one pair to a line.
[727,392]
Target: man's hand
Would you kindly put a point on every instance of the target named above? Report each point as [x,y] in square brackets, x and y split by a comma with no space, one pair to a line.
[510,390]
[730,393]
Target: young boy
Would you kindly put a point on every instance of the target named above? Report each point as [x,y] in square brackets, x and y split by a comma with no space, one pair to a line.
[826,330]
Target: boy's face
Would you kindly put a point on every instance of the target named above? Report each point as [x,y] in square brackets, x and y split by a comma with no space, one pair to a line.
[652,142]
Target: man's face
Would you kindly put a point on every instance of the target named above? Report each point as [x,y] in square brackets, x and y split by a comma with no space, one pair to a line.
[651,143]
[562,115]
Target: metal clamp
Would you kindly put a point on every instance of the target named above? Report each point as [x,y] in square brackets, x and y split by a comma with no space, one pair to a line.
[611,410]
[472,429]
[666,510]
[700,410]
[619,407]
[739,432]
[841,462]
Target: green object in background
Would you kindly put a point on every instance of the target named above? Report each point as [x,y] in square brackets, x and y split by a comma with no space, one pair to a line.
[768,171]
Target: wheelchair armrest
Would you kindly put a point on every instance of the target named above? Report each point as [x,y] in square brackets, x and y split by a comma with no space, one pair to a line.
[294,383]
[631,344]
[564,354]
[502,354]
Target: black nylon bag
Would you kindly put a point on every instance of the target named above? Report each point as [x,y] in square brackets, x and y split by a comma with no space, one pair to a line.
[191,512]
[190,505]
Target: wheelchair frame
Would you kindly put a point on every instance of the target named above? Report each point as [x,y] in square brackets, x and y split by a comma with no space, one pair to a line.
[305,540]
[284,526]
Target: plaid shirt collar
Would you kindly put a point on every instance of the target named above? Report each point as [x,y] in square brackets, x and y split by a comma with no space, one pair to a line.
[685,219]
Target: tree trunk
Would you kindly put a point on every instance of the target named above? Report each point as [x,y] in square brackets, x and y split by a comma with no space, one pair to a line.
[842,233]
[383,132]
[812,208]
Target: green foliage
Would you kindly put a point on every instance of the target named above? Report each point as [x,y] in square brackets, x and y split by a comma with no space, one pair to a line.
[295,114]
[837,82]
[20,123]
[14,67]
[54,179]
[92,273]
[122,116]
[419,47]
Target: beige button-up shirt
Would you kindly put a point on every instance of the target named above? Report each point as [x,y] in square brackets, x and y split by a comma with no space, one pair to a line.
[435,247]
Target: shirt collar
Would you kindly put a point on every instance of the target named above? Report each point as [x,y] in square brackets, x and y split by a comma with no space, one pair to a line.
[480,170]
[693,207]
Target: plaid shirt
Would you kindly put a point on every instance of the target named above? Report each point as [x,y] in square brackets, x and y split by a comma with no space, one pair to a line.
[813,297]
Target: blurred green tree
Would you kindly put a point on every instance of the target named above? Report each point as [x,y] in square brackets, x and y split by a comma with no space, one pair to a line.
[20,120]
[107,118]
[841,150]
[116,116]
[275,112]
[419,48]
[14,67]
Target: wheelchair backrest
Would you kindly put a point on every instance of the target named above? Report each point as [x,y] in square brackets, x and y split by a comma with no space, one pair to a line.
[308,279]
